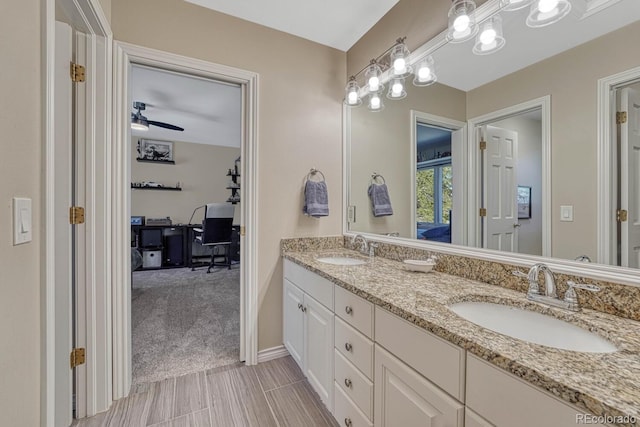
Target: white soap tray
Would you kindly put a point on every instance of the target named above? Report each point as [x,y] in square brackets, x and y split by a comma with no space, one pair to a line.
[421,266]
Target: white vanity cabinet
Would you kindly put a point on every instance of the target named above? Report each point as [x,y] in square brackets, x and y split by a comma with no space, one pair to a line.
[308,327]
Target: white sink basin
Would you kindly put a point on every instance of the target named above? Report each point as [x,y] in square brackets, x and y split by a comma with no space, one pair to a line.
[341,260]
[532,327]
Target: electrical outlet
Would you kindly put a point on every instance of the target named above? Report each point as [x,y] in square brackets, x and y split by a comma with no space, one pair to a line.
[351,214]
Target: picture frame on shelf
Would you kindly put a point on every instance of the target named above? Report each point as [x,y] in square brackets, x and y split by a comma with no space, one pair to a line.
[150,150]
[524,202]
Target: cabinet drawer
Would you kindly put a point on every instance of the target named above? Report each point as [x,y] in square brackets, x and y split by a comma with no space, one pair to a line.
[355,347]
[346,412]
[471,419]
[438,360]
[354,384]
[490,390]
[318,287]
[354,310]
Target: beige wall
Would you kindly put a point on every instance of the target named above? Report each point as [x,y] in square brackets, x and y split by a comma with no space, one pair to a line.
[106,8]
[571,80]
[381,142]
[299,127]
[202,172]
[20,165]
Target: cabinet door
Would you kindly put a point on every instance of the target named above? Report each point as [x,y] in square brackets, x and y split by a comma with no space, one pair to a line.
[405,398]
[293,322]
[319,349]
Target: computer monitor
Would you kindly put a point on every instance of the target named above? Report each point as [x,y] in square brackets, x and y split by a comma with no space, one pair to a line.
[150,237]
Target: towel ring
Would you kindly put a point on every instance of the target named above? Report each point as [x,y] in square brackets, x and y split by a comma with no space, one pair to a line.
[375,176]
[313,172]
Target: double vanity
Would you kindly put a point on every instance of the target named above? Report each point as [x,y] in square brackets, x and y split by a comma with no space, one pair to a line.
[385,346]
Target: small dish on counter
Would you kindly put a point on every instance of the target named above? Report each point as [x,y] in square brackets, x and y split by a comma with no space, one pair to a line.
[421,266]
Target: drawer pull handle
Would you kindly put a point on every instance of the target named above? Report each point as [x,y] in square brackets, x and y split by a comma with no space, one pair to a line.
[348,382]
[348,346]
[348,309]
[347,422]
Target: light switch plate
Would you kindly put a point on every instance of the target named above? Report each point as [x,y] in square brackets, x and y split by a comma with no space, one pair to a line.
[22,220]
[566,213]
[351,214]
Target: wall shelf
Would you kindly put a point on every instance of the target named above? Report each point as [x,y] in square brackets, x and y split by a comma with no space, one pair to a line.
[157,188]
[168,162]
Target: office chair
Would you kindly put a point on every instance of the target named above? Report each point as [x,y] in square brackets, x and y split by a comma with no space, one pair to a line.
[216,232]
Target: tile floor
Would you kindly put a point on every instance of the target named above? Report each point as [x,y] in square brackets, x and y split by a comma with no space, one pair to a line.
[274,393]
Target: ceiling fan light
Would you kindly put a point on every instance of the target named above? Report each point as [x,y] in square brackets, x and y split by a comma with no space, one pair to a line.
[547,12]
[462,21]
[425,73]
[352,93]
[511,5]
[139,124]
[490,38]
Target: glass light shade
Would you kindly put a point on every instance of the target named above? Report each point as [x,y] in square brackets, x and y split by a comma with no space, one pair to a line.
[138,123]
[352,96]
[396,88]
[399,60]
[375,102]
[547,12]
[511,5]
[425,73]
[462,21]
[373,76]
[489,39]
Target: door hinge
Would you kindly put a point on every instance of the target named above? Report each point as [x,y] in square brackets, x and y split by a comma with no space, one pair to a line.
[77,73]
[483,144]
[483,211]
[242,230]
[76,215]
[621,117]
[621,215]
[77,357]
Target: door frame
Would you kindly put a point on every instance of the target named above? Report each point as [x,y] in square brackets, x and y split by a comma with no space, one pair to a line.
[93,380]
[125,55]
[607,164]
[458,162]
[474,236]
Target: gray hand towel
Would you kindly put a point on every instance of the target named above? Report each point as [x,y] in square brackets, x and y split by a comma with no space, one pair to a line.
[380,202]
[316,199]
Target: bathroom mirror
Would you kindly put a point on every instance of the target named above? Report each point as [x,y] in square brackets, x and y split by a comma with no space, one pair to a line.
[504,152]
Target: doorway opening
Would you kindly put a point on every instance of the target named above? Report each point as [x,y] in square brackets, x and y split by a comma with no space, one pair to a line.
[185,214]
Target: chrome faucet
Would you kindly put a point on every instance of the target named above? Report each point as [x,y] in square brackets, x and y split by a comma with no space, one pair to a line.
[570,301]
[364,247]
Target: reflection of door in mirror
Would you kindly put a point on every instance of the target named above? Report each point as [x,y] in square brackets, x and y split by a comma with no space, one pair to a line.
[438,179]
[512,158]
[628,217]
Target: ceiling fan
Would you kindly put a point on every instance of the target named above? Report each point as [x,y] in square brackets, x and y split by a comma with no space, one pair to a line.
[140,122]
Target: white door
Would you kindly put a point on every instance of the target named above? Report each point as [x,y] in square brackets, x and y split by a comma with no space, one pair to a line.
[405,398]
[630,179]
[293,322]
[63,230]
[318,348]
[500,229]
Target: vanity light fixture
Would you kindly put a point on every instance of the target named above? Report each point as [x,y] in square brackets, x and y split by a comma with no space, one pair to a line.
[547,12]
[511,5]
[490,38]
[373,76]
[352,93]
[462,21]
[396,88]
[425,74]
[375,102]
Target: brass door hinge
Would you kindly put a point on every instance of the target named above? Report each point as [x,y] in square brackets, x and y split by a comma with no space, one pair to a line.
[242,230]
[77,73]
[77,357]
[483,144]
[483,211]
[621,117]
[621,215]
[76,215]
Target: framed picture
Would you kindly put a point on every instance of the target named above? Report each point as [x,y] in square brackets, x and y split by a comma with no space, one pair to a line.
[155,151]
[524,202]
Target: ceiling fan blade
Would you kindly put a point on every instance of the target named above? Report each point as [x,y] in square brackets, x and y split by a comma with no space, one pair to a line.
[165,125]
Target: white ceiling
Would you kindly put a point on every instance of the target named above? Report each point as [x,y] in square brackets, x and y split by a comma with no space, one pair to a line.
[208,110]
[458,67]
[335,23]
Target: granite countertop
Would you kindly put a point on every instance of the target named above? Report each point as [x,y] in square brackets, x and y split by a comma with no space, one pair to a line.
[602,383]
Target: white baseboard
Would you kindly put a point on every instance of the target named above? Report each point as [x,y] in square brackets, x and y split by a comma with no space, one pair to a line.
[272,353]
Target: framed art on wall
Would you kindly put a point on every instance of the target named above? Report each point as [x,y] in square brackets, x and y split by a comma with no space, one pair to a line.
[155,151]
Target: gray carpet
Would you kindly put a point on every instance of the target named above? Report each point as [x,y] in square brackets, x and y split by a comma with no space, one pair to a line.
[184,321]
